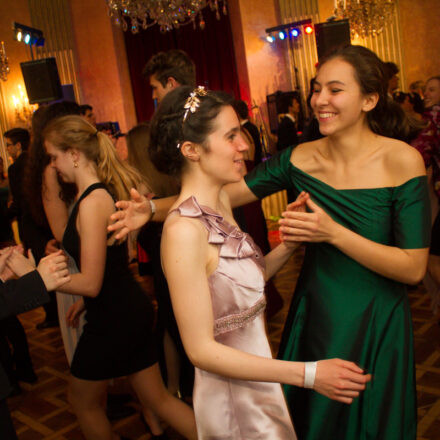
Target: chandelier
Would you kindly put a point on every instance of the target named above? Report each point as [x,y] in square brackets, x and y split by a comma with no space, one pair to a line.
[168,14]
[366,17]
[4,63]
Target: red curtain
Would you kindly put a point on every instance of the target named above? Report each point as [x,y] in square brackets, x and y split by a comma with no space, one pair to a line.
[211,49]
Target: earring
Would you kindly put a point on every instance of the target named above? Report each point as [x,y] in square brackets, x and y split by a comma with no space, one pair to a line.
[75,164]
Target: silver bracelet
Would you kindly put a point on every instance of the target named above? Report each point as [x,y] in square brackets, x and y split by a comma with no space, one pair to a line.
[309,374]
[153,208]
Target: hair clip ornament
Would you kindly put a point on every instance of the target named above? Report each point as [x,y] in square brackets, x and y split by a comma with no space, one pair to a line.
[193,102]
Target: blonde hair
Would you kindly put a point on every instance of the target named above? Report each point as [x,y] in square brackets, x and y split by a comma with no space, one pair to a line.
[75,132]
[138,142]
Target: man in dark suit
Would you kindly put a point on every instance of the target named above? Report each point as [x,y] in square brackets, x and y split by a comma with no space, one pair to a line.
[17,363]
[287,129]
[17,143]
[250,130]
[21,295]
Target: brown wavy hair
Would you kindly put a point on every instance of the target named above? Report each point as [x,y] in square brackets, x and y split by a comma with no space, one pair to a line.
[138,141]
[387,118]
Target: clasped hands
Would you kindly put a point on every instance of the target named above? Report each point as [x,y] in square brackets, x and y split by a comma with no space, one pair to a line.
[300,225]
[52,269]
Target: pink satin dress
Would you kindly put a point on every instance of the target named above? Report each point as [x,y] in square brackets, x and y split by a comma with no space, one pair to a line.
[225,408]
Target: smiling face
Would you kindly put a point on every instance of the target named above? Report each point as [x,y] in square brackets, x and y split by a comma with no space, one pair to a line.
[432,93]
[61,161]
[223,158]
[338,102]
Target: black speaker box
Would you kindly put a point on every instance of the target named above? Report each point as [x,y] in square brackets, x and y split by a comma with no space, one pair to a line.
[41,80]
[331,35]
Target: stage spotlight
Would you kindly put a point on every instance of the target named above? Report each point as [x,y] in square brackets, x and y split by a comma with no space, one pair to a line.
[19,36]
[295,32]
[27,38]
[308,29]
[270,38]
[282,35]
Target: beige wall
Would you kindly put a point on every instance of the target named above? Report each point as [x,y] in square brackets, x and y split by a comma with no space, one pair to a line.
[420,22]
[102,64]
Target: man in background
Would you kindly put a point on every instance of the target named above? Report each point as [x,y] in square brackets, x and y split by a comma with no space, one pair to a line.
[166,71]
[86,112]
[249,129]
[17,143]
[287,129]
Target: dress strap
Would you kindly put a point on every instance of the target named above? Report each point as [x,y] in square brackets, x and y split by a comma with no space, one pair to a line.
[91,188]
[87,191]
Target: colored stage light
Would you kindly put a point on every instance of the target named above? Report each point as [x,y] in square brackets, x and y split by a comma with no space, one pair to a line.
[308,29]
[270,38]
[19,36]
[295,32]
[282,35]
[27,38]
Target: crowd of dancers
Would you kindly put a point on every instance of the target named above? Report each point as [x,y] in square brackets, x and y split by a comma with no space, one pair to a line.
[345,369]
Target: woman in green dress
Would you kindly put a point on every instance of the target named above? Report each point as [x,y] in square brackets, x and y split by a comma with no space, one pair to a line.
[367,234]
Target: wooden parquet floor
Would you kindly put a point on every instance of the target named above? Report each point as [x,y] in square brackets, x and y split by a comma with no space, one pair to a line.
[42,411]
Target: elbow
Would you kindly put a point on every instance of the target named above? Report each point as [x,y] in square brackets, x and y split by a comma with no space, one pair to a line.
[91,291]
[198,357]
[415,276]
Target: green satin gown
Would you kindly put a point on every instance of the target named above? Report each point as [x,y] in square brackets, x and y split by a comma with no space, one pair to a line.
[342,309]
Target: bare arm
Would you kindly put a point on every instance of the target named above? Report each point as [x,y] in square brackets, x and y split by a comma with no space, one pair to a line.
[186,255]
[133,214]
[54,208]
[93,215]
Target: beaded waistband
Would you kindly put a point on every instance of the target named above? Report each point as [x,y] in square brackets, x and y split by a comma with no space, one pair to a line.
[237,320]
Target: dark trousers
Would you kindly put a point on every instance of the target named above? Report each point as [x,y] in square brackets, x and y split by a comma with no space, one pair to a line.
[7,431]
[12,332]
[51,308]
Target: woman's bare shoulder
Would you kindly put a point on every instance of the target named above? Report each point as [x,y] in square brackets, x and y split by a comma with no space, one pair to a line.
[306,152]
[402,161]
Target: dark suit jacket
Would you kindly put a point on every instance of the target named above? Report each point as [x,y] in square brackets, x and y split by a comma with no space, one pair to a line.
[287,135]
[18,296]
[252,129]
[15,175]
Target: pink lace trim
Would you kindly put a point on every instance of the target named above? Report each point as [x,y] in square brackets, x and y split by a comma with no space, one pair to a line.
[237,320]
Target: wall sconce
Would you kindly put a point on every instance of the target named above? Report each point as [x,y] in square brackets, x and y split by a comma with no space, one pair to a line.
[4,63]
[23,110]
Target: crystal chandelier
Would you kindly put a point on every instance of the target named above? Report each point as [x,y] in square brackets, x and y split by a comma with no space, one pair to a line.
[366,17]
[168,14]
[4,63]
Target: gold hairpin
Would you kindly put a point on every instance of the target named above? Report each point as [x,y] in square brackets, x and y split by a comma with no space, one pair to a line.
[193,102]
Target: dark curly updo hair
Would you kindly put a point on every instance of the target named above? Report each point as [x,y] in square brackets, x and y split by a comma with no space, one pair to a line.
[387,118]
[168,129]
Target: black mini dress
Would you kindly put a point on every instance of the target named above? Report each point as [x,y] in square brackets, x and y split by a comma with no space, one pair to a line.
[118,337]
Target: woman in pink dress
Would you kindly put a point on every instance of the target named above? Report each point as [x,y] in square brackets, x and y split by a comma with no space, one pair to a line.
[216,276]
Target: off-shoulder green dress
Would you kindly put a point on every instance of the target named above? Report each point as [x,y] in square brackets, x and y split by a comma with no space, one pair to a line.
[342,309]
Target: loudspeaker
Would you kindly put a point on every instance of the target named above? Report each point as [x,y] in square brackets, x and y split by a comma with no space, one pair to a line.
[41,80]
[331,35]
